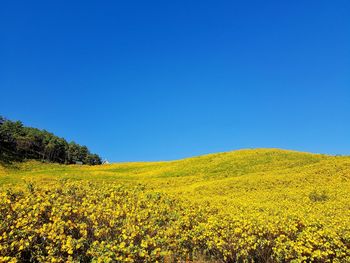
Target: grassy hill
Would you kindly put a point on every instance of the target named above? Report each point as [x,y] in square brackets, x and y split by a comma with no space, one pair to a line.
[212,166]
[292,205]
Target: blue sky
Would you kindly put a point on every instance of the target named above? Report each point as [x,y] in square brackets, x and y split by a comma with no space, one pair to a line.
[161,80]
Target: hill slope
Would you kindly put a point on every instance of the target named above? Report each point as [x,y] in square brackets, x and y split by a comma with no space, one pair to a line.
[274,205]
[260,176]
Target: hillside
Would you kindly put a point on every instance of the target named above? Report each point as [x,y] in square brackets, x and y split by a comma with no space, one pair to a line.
[20,143]
[243,173]
[290,196]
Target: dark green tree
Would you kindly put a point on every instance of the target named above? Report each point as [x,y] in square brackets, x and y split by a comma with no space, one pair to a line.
[18,142]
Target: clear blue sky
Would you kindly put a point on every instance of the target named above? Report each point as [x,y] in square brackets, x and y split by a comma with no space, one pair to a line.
[160,80]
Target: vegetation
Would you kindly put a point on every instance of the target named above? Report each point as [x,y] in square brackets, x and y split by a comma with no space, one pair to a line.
[18,143]
[263,205]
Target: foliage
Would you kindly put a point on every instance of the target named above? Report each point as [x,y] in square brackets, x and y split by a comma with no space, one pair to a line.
[244,206]
[18,142]
[317,196]
[98,222]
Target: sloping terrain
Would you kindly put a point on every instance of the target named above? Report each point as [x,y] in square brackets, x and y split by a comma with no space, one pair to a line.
[216,166]
[265,205]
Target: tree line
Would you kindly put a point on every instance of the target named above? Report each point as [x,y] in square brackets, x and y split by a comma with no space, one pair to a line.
[18,143]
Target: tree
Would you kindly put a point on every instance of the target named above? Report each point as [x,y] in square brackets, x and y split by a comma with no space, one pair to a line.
[72,153]
[18,142]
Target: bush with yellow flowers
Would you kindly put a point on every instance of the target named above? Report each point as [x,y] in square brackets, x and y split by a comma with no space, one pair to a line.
[90,222]
[84,222]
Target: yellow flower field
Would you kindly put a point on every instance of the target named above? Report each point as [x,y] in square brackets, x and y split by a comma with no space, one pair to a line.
[262,205]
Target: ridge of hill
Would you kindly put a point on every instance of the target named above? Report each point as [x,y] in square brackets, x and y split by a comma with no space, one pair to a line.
[217,166]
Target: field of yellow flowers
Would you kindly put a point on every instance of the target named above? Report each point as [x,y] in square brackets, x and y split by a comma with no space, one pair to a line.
[264,205]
